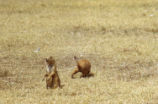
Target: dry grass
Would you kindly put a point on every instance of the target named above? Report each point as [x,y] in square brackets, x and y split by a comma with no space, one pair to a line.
[118,37]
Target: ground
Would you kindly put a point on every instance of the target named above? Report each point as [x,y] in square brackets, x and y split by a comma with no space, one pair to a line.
[119,38]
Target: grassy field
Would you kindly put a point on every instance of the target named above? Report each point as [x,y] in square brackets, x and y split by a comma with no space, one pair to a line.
[118,37]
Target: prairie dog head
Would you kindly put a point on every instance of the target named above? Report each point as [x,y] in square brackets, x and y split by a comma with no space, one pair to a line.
[50,64]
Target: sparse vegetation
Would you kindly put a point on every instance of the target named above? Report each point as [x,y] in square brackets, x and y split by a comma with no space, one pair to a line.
[119,38]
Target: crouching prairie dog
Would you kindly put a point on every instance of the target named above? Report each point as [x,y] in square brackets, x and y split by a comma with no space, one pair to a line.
[52,77]
[83,66]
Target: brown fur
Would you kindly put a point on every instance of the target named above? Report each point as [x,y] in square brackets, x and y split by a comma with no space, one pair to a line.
[52,80]
[52,77]
[83,66]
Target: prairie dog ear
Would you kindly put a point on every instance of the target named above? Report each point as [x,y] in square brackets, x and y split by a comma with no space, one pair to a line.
[51,57]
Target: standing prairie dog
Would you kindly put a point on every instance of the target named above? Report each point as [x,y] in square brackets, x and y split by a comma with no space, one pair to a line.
[83,66]
[52,77]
